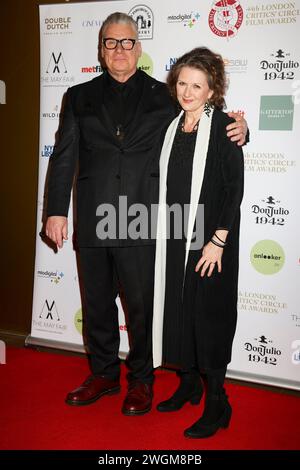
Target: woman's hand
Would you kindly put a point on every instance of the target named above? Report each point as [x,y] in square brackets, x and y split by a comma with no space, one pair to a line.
[211,256]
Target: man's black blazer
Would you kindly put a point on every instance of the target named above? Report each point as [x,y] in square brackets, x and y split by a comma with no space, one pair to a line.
[107,167]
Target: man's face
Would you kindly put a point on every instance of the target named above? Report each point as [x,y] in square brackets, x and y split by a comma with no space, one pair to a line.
[120,62]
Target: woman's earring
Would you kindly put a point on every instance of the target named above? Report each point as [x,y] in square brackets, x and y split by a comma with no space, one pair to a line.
[207,109]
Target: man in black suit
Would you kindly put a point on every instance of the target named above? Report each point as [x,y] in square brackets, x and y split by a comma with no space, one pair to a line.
[112,128]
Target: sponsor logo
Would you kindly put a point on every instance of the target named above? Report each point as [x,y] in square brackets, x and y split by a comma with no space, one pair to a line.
[92,69]
[56,72]
[268,14]
[143,16]
[54,276]
[78,321]
[145,63]
[269,212]
[236,65]
[47,151]
[296,354]
[268,162]
[225,18]
[188,20]
[91,23]
[276,113]
[55,114]
[267,257]
[49,311]
[57,25]
[49,319]
[169,65]
[262,351]
[260,302]
[295,319]
[279,67]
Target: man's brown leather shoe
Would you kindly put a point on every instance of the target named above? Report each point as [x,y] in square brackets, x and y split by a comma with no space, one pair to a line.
[138,400]
[92,389]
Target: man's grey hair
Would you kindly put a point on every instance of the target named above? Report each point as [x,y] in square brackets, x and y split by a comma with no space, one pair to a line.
[119,18]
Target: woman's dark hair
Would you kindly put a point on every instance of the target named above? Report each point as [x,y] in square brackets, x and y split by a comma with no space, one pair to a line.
[208,62]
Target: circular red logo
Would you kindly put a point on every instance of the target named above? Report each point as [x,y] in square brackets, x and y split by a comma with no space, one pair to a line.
[225,18]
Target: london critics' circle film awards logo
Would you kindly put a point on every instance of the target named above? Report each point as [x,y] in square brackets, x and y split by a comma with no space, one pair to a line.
[267,257]
[225,18]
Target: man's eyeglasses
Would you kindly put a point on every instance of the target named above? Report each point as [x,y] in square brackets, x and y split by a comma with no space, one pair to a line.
[111,43]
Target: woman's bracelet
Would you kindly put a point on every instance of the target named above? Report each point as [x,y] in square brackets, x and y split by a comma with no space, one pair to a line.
[222,241]
[217,243]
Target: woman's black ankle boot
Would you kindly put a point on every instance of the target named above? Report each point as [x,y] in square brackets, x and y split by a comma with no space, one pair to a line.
[190,390]
[216,415]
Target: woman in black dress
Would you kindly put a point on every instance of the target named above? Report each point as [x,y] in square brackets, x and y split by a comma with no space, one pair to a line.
[195,299]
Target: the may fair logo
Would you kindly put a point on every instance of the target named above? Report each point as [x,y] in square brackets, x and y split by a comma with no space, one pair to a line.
[262,351]
[56,73]
[225,18]
[49,319]
[270,211]
[280,66]
[143,16]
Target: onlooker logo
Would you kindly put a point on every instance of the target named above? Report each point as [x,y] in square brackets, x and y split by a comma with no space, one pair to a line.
[267,257]
[143,16]
[276,113]
[225,18]
[145,63]
[78,321]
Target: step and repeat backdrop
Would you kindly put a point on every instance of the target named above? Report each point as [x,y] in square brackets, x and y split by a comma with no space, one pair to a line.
[259,42]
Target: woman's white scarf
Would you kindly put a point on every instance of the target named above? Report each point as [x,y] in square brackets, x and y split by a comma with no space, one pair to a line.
[200,153]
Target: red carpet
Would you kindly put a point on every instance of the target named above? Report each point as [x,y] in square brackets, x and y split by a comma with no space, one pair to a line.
[34,416]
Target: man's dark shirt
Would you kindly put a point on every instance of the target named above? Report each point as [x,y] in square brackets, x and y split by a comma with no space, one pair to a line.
[121,100]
